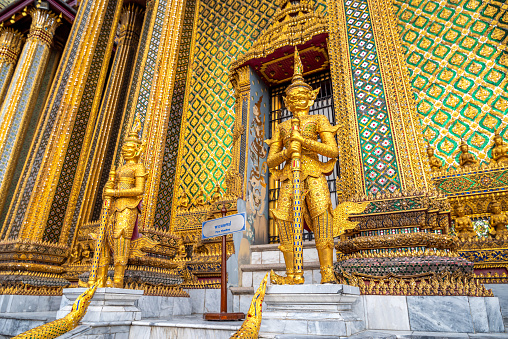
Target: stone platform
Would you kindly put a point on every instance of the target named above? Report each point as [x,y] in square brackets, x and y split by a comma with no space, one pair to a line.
[108,304]
[457,314]
[312,310]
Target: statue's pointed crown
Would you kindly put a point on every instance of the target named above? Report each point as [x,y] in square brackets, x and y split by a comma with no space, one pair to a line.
[134,132]
[297,80]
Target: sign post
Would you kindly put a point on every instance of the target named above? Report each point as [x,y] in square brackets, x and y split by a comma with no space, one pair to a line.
[222,227]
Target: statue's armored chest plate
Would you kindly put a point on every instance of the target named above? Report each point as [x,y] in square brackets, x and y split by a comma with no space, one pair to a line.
[127,176]
[308,129]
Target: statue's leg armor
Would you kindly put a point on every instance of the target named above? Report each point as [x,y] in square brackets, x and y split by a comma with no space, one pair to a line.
[319,205]
[122,244]
[283,216]
[286,245]
[122,247]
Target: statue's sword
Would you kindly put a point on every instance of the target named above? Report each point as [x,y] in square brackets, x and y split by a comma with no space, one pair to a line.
[106,204]
[297,209]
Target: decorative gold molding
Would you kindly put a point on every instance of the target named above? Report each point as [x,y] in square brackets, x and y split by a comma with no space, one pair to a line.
[44,25]
[41,199]
[23,92]
[10,46]
[157,114]
[293,24]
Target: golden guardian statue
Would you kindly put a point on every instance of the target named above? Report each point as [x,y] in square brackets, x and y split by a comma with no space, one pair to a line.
[304,194]
[125,188]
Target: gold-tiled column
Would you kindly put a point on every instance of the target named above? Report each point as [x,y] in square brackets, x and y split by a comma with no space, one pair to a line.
[17,107]
[10,46]
[110,116]
[74,101]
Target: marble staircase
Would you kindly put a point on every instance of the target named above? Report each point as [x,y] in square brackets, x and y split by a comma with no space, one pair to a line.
[265,258]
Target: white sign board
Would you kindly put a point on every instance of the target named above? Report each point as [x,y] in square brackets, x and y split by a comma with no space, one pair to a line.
[222,226]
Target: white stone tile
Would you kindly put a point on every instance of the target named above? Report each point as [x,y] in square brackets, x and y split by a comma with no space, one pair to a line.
[256,279]
[149,306]
[138,332]
[197,299]
[245,301]
[479,314]
[124,335]
[310,255]
[439,314]
[494,314]
[246,279]
[270,257]
[236,303]
[255,258]
[316,276]
[358,308]
[386,312]
[307,275]
[212,300]
[182,306]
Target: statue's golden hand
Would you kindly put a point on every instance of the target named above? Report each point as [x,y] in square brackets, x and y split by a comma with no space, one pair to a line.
[294,147]
[296,136]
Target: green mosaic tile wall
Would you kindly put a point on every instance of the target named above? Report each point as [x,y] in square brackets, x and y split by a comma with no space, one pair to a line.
[458,70]
[225,30]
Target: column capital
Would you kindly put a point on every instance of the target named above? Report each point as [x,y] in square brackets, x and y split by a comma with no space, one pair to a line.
[44,24]
[131,21]
[10,45]
[149,5]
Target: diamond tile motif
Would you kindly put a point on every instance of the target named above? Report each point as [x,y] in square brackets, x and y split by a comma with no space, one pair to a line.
[458,71]
[378,154]
[225,29]
[167,180]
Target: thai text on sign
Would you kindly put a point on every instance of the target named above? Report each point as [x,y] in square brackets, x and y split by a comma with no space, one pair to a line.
[223,226]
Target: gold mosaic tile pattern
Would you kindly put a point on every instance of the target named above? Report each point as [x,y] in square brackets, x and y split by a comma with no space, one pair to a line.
[454,51]
[225,30]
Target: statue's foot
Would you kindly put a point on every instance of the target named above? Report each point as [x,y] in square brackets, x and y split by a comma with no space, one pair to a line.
[277,279]
[328,275]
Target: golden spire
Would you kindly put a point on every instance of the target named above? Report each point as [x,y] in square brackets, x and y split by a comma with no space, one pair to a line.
[297,75]
[134,133]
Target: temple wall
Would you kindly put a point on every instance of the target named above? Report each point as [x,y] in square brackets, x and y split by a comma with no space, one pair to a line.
[454,52]
[204,154]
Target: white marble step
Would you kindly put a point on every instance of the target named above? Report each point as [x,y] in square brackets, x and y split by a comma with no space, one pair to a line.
[270,253]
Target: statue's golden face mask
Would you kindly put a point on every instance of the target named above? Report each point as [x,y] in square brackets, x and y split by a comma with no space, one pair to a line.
[131,150]
[300,99]
[498,140]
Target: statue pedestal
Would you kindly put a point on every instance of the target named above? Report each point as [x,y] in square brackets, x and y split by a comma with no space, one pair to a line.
[107,305]
[311,310]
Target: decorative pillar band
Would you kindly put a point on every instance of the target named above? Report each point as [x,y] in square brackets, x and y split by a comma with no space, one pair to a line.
[22,94]
[98,162]
[10,45]
[44,24]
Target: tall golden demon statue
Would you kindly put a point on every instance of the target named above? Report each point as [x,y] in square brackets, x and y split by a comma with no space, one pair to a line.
[304,194]
[125,189]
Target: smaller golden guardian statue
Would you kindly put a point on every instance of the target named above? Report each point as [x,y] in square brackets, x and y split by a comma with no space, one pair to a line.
[126,189]
[498,221]
[500,150]
[463,224]
[434,161]
[466,159]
